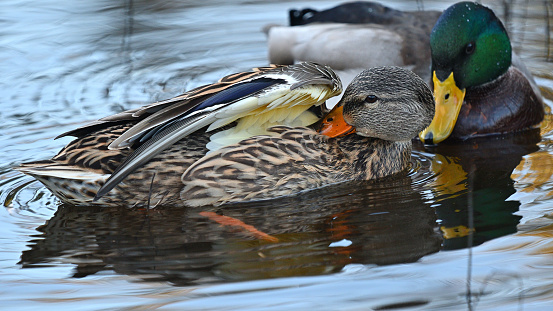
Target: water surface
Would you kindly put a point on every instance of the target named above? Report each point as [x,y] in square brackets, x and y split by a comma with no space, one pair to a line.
[401,243]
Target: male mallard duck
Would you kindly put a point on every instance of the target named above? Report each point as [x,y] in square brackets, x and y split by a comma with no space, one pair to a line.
[387,106]
[480,86]
[353,36]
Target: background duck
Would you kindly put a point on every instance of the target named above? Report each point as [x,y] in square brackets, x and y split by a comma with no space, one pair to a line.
[260,167]
[354,36]
[164,138]
[480,85]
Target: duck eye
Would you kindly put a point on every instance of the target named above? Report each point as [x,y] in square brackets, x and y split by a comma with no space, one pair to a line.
[371,99]
[469,49]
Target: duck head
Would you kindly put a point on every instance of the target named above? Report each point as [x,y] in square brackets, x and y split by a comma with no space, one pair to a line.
[389,103]
[469,47]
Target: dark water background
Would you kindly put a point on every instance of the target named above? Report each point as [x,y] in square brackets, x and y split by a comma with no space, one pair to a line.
[396,244]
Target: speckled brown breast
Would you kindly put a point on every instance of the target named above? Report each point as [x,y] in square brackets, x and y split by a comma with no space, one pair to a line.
[265,167]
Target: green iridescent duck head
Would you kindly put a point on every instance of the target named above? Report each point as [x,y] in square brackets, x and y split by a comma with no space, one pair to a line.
[470,47]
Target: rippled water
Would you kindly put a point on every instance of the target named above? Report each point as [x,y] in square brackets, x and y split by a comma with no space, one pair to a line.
[400,243]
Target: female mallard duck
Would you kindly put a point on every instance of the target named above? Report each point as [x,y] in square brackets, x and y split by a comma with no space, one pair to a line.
[480,86]
[157,137]
[387,106]
[353,36]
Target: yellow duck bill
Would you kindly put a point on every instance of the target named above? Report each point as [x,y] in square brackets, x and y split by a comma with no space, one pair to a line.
[449,99]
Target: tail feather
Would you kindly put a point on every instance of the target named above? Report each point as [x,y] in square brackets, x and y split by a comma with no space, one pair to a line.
[71,184]
[48,168]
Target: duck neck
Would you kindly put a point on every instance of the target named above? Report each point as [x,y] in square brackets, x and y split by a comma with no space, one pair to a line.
[373,158]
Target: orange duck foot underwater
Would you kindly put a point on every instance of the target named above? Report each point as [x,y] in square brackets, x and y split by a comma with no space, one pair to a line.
[166,158]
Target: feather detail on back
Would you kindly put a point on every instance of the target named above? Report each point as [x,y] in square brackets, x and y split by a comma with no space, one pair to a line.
[279,95]
[167,109]
[255,163]
[61,171]
[296,159]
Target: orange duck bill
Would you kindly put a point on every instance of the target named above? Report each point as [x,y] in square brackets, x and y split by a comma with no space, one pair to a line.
[334,125]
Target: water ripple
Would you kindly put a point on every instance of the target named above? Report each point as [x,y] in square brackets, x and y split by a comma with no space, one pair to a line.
[361,245]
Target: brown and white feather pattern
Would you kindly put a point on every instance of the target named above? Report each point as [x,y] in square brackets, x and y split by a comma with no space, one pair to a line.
[279,95]
[168,108]
[261,167]
[265,167]
[160,112]
[77,172]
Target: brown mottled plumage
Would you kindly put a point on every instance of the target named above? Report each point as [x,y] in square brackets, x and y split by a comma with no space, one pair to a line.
[167,136]
[400,106]
[289,161]
[264,167]
[82,167]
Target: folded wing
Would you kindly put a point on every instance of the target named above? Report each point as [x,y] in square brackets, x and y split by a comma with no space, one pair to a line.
[255,101]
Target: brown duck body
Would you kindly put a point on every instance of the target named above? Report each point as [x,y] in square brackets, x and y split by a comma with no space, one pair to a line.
[262,167]
[386,105]
[506,104]
[298,159]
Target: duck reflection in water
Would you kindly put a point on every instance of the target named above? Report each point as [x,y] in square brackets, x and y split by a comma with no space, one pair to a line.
[477,173]
[318,233]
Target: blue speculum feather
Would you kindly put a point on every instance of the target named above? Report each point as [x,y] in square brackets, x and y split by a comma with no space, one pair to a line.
[237,91]
[228,95]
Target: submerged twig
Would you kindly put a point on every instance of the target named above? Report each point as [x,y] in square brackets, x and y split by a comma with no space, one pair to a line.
[493,274]
[420,5]
[546,5]
[151,190]
[470,237]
